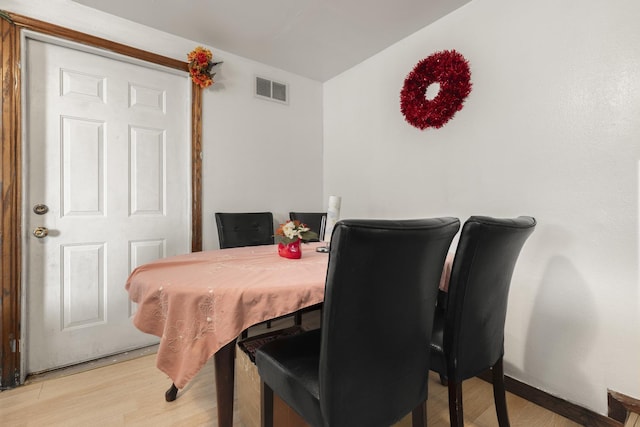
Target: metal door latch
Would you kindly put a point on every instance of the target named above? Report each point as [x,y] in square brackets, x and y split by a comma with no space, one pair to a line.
[40,209]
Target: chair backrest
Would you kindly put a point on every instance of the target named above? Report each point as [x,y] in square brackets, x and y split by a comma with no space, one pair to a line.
[478,291]
[244,229]
[380,296]
[312,219]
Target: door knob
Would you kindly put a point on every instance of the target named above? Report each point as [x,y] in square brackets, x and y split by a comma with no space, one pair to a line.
[41,232]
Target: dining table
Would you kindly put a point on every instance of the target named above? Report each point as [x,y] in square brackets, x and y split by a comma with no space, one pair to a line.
[199,303]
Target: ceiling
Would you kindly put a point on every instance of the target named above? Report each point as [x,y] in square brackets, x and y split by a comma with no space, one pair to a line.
[318,39]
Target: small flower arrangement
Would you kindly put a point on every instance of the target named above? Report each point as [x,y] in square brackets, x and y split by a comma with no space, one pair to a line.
[292,231]
[200,65]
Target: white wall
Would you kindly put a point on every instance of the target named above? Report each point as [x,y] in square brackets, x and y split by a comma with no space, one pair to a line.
[258,155]
[551,129]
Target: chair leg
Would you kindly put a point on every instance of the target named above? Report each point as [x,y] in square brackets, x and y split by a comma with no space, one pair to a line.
[266,405]
[499,395]
[456,416]
[443,379]
[297,318]
[419,415]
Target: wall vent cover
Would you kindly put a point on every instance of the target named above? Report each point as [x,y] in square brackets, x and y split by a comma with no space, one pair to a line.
[272,90]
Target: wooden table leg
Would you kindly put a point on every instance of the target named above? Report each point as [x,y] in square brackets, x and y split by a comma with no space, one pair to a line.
[171,394]
[225,370]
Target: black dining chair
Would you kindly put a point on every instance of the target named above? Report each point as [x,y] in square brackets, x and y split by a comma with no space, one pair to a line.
[244,229]
[368,364]
[313,220]
[236,229]
[468,330]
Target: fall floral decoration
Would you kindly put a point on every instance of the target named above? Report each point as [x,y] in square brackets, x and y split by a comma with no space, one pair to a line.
[450,70]
[200,65]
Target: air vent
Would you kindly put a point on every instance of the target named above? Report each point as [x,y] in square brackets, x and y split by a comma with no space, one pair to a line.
[273,91]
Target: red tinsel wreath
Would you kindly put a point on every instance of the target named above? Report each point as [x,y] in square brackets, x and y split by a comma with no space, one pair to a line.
[448,68]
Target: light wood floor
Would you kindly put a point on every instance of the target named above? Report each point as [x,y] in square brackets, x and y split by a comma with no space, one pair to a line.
[131,393]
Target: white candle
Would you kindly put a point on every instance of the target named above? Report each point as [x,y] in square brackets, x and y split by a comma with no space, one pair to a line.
[333,215]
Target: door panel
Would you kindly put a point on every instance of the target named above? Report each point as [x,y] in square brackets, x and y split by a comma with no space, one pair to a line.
[107,150]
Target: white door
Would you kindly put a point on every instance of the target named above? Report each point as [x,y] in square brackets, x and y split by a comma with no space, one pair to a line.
[107,174]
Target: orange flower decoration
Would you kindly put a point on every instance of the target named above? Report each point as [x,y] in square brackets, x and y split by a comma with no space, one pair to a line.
[200,65]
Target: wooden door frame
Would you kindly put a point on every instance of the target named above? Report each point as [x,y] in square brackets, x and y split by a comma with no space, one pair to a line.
[11,227]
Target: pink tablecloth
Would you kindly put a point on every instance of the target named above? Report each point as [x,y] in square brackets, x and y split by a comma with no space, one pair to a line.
[199,302]
[446,272]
